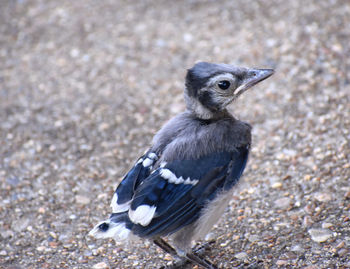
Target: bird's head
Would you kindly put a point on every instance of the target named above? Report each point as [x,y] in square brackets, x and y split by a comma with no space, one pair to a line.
[211,87]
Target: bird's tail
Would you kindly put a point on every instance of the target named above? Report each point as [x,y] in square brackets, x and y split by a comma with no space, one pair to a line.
[118,226]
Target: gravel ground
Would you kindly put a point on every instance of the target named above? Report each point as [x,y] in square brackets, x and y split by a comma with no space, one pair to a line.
[84,85]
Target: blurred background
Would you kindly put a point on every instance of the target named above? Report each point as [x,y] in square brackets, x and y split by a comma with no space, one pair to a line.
[84,85]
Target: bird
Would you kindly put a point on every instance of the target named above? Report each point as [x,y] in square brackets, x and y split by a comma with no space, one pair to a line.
[182,184]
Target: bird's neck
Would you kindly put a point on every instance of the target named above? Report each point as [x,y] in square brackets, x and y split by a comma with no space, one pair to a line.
[203,113]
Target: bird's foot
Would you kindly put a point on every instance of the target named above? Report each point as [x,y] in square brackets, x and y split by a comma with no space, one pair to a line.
[193,257]
[177,264]
[201,249]
[196,259]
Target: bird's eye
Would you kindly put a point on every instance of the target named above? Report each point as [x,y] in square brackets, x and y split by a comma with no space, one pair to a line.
[224,84]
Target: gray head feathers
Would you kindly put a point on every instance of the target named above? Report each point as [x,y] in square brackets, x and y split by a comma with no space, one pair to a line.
[211,87]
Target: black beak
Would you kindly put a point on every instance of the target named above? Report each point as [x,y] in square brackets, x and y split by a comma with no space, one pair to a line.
[253,77]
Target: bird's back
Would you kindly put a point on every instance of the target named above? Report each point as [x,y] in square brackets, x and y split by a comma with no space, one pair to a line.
[188,137]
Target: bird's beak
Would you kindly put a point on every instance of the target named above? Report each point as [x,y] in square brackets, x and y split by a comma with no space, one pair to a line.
[252,77]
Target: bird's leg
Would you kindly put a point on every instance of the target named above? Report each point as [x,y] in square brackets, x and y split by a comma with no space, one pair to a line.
[180,261]
[192,257]
[200,261]
[200,250]
[165,246]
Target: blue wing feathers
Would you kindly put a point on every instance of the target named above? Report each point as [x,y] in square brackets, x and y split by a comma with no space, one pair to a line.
[125,189]
[143,174]
[149,191]
[209,191]
[171,195]
[134,177]
[169,222]
[179,219]
[207,182]
[238,165]
[196,169]
[178,205]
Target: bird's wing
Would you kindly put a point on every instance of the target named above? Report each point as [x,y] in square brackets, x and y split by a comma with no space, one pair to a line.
[174,194]
[125,190]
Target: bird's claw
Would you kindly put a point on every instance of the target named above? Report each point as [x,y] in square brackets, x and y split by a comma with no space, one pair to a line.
[201,249]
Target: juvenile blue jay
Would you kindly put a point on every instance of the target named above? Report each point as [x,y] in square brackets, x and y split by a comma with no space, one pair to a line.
[183,183]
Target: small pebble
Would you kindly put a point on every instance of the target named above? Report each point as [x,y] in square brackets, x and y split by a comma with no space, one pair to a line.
[342,252]
[307,177]
[297,248]
[87,253]
[53,244]
[323,197]
[327,225]
[100,265]
[41,210]
[276,185]
[320,235]
[283,203]
[347,195]
[340,245]
[80,199]
[307,221]
[253,238]
[40,248]
[281,262]
[20,225]
[6,234]
[241,255]
[225,244]
[54,235]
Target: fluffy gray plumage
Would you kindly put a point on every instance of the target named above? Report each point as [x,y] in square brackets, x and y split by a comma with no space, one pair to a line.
[187,137]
